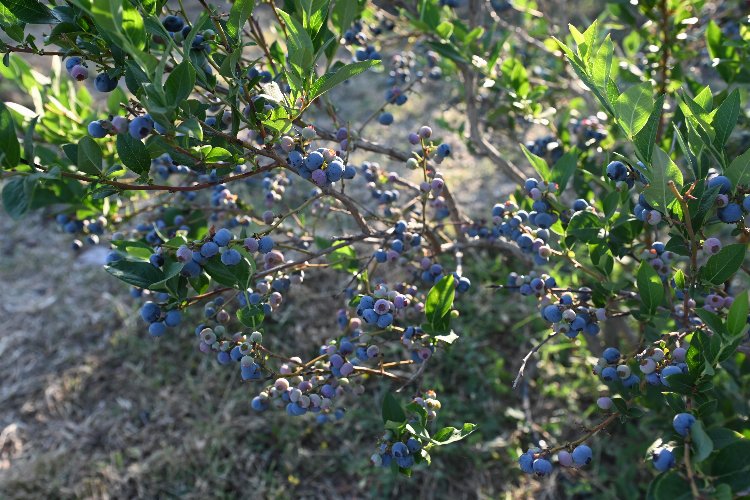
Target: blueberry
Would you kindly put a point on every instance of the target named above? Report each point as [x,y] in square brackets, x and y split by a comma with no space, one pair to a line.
[724,184]
[399,450]
[223,237]
[79,72]
[385,118]
[71,62]
[682,423]
[141,127]
[609,374]
[617,171]
[668,371]
[314,161]
[526,461]
[552,314]
[542,467]
[444,150]
[265,244]
[611,354]
[150,312]
[157,329]
[173,318]
[96,130]
[580,204]
[231,257]
[663,459]
[173,24]
[104,83]
[730,214]
[209,249]
[582,455]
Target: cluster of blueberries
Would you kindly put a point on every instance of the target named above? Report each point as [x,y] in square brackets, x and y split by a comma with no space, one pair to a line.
[76,68]
[547,147]
[514,224]
[357,37]
[376,180]
[588,131]
[571,319]
[322,166]
[159,320]
[402,242]
[535,461]
[418,343]
[729,210]
[663,458]
[92,228]
[403,448]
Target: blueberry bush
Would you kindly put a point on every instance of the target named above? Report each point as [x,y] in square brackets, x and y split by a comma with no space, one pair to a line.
[202,146]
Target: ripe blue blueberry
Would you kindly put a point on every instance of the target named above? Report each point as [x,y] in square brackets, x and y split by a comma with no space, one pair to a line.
[617,171]
[209,249]
[385,118]
[173,24]
[730,214]
[724,184]
[104,83]
[668,371]
[682,423]
[399,450]
[173,318]
[223,237]
[71,62]
[96,130]
[552,314]
[609,374]
[231,257]
[611,354]
[150,312]
[265,244]
[663,459]
[542,467]
[582,455]
[140,127]
[157,329]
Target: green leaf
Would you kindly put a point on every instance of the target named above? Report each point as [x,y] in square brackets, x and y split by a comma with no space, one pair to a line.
[669,486]
[344,13]
[679,279]
[89,156]
[584,226]
[728,460]
[738,170]
[633,108]
[299,44]
[343,258]
[563,170]
[10,150]
[137,273]
[238,16]
[392,411]
[338,76]
[650,287]
[180,83]
[702,442]
[645,140]
[723,265]
[31,11]
[662,170]
[448,435]
[439,302]
[737,316]
[251,316]
[17,196]
[133,154]
[539,164]
[726,118]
